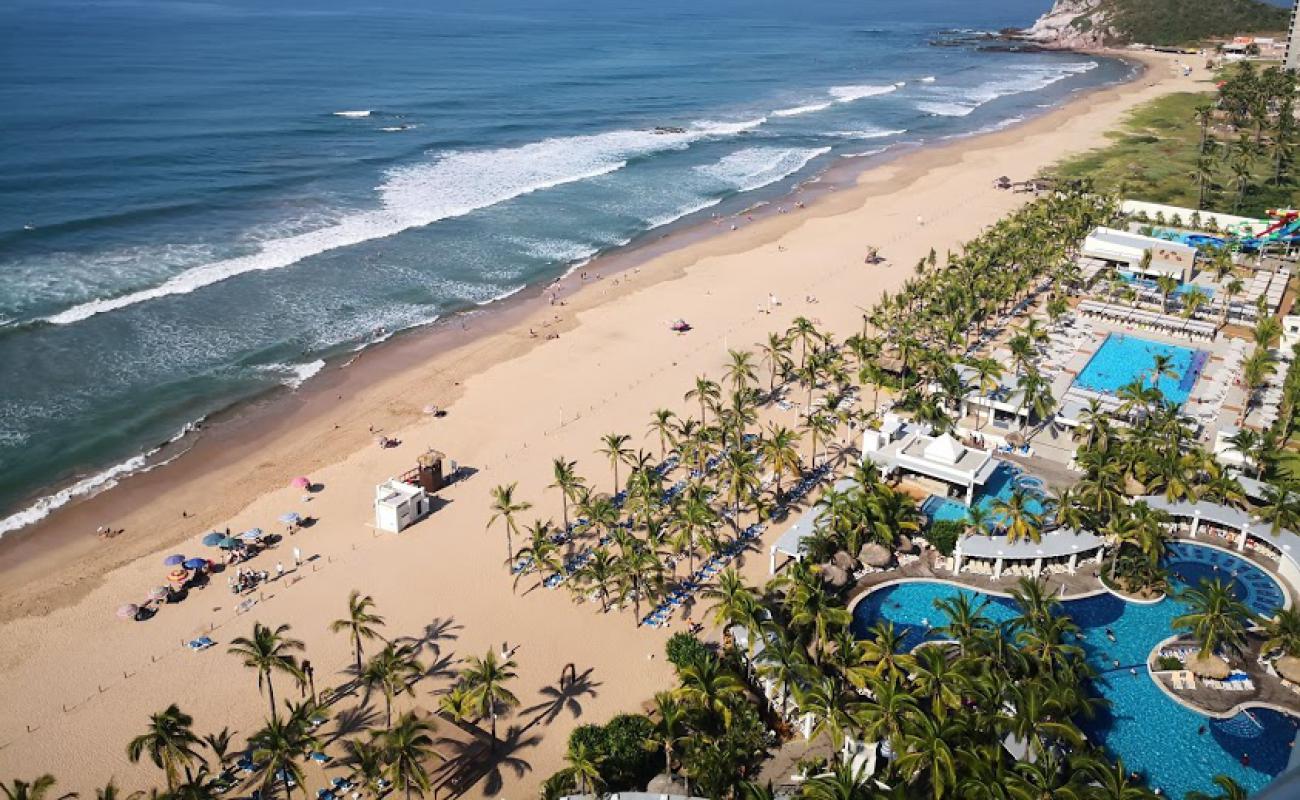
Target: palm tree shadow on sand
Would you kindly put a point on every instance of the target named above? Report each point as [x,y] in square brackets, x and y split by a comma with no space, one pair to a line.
[565,694]
[476,760]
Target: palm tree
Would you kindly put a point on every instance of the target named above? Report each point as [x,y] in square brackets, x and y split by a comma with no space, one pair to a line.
[505,508]
[776,354]
[598,573]
[617,451]
[662,425]
[361,623]
[170,743]
[710,686]
[1282,633]
[219,744]
[1233,288]
[1228,790]
[1020,521]
[392,670]
[818,425]
[268,651]
[1115,782]
[570,484]
[1215,617]
[405,747]
[1166,284]
[926,750]
[740,371]
[366,760]
[988,376]
[705,391]
[779,452]
[279,747]
[583,767]
[670,726]
[803,331]
[485,682]
[38,789]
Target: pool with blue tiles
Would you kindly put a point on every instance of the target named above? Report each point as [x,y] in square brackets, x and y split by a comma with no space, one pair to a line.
[1123,358]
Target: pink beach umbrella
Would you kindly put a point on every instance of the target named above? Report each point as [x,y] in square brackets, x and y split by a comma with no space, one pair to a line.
[301,482]
[128,611]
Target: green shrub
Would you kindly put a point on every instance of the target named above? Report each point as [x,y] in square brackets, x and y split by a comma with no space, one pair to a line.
[685,650]
[1168,663]
[619,745]
[944,533]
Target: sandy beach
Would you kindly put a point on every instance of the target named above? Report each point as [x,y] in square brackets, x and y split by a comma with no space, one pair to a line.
[79,682]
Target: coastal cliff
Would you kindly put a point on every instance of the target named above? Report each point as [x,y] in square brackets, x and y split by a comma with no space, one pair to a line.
[1076,24]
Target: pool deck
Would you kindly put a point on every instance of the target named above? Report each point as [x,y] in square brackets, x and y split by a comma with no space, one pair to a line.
[1268,692]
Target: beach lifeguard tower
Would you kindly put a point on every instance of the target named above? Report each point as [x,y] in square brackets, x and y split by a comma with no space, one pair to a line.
[399,505]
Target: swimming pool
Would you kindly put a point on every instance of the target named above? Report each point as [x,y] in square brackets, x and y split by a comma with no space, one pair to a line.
[1121,359]
[1147,283]
[1153,734]
[998,487]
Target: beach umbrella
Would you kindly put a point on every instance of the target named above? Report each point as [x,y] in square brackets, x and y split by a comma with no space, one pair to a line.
[875,555]
[1288,667]
[228,543]
[159,593]
[1208,665]
[128,611]
[195,563]
[178,575]
[290,518]
[835,576]
[905,545]
[213,539]
[173,560]
[843,560]
[301,482]
[251,535]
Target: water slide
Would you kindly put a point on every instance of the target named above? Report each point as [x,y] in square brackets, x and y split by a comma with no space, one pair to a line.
[1285,228]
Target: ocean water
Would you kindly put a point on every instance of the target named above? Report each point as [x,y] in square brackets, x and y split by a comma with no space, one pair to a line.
[201,201]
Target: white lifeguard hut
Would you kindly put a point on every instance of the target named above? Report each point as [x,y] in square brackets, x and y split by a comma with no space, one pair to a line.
[399,505]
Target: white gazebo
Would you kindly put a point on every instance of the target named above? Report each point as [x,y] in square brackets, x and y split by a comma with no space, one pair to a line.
[941,458]
[1061,545]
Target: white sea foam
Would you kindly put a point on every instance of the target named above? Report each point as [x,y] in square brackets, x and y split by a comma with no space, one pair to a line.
[353,114]
[960,102]
[805,109]
[556,250]
[452,184]
[867,133]
[872,152]
[754,167]
[928,79]
[673,216]
[847,94]
[502,295]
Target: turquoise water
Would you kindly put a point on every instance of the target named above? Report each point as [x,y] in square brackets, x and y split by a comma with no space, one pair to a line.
[1122,359]
[1154,735]
[1182,289]
[200,201]
[999,487]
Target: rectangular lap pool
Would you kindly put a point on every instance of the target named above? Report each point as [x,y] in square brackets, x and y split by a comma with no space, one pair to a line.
[1122,359]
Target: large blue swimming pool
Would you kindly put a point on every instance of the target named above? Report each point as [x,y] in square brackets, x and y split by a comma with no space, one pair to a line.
[1147,283]
[999,487]
[1122,359]
[1153,734]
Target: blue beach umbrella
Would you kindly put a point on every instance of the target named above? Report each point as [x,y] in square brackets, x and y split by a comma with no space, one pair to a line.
[173,560]
[228,543]
[213,539]
[195,563]
[251,534]
[290,518]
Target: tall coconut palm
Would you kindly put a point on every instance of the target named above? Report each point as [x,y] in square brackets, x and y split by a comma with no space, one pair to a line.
[361,624]
[269,651]
[775,353]
[1018,517]
[170,743]
[616,450]
[487,693]
[740,369]
[392,670]
[778,450]
[406,747]
[663,425]
[1228,789]
[505,507]
[705,392]
[583,768]
[570,483]
[280,746]
[599,574]
[1215,617]
[1282,633]
[670,729]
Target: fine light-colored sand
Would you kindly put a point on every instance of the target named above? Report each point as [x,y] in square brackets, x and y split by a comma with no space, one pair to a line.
[78,683]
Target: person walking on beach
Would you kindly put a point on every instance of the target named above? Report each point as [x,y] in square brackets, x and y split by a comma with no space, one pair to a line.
[279,570]
[297,558]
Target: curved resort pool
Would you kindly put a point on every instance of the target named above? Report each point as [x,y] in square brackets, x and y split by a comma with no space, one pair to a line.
[1000,486]
[1153,734]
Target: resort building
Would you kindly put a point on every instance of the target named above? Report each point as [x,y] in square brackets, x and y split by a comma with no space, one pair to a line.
[1058,550]
[791,542]
[1291,61]
[399,505]
[1129,249]
[1238,529]
[1002,406]
[940,463]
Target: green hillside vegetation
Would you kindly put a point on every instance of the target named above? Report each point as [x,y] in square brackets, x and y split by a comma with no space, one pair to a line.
[1174,22]
[1231,152]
